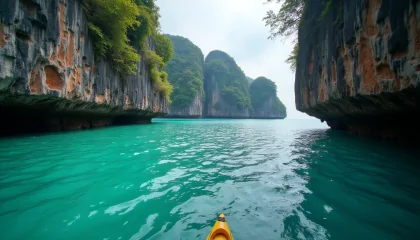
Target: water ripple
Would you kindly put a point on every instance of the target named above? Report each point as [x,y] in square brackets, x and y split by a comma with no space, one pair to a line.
[169,180]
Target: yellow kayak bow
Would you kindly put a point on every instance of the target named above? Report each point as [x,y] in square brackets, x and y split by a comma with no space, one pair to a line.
[220,230]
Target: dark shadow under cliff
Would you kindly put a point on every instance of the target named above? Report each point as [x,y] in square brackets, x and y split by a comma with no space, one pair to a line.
[21,120]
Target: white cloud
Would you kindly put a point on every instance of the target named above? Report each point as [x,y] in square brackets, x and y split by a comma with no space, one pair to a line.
[236,27]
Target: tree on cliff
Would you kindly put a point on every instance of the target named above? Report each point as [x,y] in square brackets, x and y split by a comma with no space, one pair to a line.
[286,23]
[120,31]
[185,72]
[263,91]
[229,78]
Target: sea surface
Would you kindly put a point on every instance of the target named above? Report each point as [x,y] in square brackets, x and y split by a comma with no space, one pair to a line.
[273,179]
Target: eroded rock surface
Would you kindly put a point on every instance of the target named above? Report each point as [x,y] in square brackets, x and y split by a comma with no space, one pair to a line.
[358,66]
[194,110]
[47,63]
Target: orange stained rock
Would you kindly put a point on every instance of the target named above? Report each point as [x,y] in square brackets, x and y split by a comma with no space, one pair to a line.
[62,19]
[323,85]
[348,73]
[384,71]
[156,107]
[128,102]
[35,83]
[53,78]
[70,49]
[311,63]
[78,75]
[371,27]
[70,86]
[88,91]
[61,51]
[321,95]
[415,32]
[99,98]
[52,57]
[366,64]
[145,103]
[334,72]
[94,70]
[311,98]
[2,36]
[305,96]
[107,95]
[87,68]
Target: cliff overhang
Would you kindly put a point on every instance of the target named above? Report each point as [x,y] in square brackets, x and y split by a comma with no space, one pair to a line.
[49,74]
[358,66]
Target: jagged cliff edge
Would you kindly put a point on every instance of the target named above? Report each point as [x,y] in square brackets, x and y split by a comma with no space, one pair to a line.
[358,66]
[50,79]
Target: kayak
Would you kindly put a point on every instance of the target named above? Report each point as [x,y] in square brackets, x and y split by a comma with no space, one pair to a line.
[220,230]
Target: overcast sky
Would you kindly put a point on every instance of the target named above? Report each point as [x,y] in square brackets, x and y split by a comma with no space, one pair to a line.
[235,27]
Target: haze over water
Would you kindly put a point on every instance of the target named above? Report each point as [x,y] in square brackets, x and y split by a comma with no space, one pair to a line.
[273,179]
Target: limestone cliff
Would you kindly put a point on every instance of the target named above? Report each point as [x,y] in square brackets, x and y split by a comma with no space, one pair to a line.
[226,87]
[48,71]
[185,73]
[265,103]
[358,65]
[194,110]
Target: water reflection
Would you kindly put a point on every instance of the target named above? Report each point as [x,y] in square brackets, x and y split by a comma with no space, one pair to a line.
[359,188]
[276,179]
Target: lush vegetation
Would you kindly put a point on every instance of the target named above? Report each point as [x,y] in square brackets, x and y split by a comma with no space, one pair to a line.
[285,23]
[287,20]
[185,72]
[292,58]
[262,90]
[230,79]
[120,31]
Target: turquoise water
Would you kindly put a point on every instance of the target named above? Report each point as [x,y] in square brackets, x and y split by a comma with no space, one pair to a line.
[274,179]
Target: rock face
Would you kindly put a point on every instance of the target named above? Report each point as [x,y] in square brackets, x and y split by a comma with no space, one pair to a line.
[48,70]
[265,103]
[194,110]
[226,87]
[185,73]
[217,107]
[358,67]
[268,110]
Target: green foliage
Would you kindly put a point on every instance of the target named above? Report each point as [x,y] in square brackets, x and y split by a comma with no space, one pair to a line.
[120,31]
[229,77]
[185,72]
[108,25]
[159,78]
[292,59]
[101,42]
[163,47]
[262,90]
[286,21]
[153,59]
[149,23]
[231,95]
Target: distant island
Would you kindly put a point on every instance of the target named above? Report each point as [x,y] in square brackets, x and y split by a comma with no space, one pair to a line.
[217,86]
